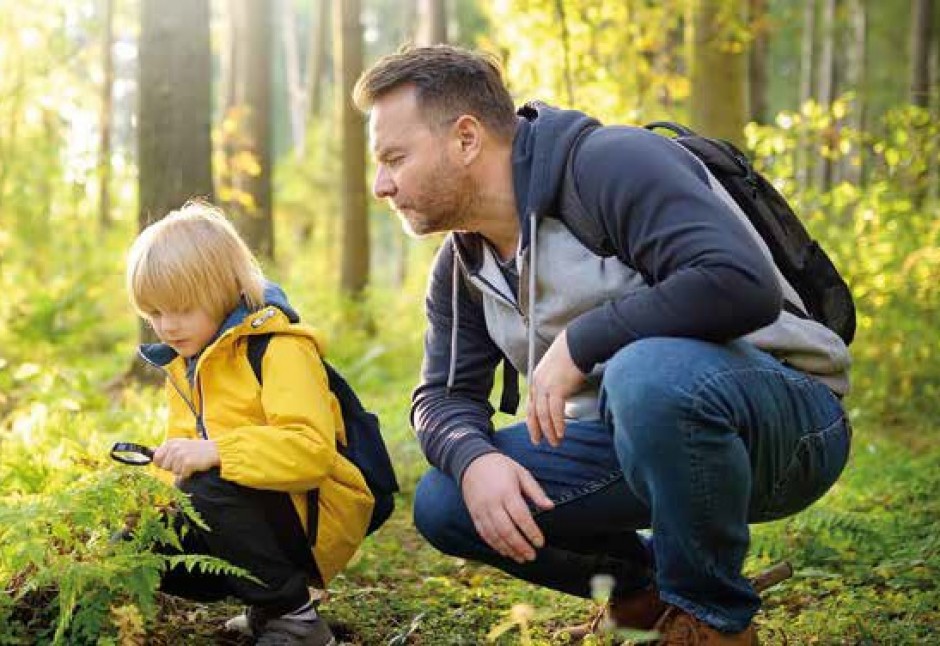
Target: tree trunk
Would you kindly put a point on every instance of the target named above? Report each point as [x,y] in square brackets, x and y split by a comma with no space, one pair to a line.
[296,96]
[174,114]
[252,182]
[921,28]
[433,21]
[757,61]
[316,55]
[855,78]
[354,274]
[104,142]
[566,49]
[825,92]
[803,163]
[717,72]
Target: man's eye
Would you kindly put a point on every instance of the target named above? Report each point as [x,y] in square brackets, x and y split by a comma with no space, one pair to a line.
[394,161]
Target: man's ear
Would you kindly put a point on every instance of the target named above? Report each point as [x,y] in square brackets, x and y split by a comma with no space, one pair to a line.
[469,141]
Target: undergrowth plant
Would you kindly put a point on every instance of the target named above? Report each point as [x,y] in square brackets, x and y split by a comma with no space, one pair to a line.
[82,564]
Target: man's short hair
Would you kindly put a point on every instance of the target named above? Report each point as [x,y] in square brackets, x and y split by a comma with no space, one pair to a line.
[449,81]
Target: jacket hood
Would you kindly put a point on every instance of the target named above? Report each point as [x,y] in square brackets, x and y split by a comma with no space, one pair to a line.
[540,150]
[161,354]
[543,140]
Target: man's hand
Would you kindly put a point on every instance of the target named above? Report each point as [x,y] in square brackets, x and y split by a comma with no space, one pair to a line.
[186,457]
[554,380]
[495,489]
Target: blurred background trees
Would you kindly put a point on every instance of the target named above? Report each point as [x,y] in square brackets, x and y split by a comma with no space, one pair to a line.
[113,112]
[116,111]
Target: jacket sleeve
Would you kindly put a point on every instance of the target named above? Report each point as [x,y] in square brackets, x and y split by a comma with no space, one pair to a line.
[707,278]
[454,428]
[296,449]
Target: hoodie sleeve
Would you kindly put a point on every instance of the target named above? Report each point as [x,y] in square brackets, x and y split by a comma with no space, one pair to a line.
[454,428]
[708,279]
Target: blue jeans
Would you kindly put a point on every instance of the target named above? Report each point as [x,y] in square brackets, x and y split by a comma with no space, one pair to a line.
[696,441]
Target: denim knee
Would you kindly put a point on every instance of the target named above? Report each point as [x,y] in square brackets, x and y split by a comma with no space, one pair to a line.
[440,515]
[643,396]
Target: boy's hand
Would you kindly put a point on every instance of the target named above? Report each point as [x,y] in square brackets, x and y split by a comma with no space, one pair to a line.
[186,457]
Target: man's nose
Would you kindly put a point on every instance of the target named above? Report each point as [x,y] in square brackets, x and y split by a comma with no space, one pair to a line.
[383,186]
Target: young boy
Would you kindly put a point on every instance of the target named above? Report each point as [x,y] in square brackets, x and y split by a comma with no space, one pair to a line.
[247,451]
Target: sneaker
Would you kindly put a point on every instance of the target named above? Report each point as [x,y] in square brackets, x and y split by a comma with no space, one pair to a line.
[296,632]
[679,628]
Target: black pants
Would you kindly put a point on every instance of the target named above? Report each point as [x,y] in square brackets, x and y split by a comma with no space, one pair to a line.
[254,529]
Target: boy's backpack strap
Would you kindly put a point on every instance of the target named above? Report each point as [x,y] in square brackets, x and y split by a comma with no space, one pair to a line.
[365,447]
[257,346]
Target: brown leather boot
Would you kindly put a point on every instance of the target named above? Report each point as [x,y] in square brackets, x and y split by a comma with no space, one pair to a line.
[679,628]
[640,610]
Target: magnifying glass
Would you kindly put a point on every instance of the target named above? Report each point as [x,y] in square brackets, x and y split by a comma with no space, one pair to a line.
[133,454]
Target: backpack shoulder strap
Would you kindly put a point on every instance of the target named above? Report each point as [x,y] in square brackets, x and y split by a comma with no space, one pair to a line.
[586,227]
[257,346]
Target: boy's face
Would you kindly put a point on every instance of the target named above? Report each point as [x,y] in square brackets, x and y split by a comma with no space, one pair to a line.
[186,332]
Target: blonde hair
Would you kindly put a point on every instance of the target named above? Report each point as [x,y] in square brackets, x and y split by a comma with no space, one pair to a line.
[192,258]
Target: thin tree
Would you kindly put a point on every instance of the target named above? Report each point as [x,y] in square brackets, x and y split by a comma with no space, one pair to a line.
[296,94]
[434,22]
[316,55]
[250,162]
[174,114]
[354,266]
[826,91]
[855,79]
[921,30]
[104,124]
[757,60]
[803,159]
[717,71]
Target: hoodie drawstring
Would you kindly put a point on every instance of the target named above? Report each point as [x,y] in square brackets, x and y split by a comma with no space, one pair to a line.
[533,226]
[455,322]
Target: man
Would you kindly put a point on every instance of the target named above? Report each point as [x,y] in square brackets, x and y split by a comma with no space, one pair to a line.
[663,382]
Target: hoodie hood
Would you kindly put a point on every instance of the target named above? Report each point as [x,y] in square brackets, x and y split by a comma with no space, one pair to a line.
[161,354]
[540,151]
[543,140]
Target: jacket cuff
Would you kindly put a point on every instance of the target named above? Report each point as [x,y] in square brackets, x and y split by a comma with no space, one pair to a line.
[590,341]
[231,463]
[464,454]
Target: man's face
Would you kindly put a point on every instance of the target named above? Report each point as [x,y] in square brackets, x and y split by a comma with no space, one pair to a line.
[418,170]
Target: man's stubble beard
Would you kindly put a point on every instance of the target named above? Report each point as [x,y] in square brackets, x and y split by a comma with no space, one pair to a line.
[448,203]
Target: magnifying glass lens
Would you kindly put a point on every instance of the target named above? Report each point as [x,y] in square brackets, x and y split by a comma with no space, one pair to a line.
[130,453]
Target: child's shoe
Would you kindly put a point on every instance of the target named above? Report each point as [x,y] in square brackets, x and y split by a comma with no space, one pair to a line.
[296,632]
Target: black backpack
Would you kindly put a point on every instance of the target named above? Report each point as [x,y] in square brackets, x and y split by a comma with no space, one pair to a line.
[365,447]
[800,258]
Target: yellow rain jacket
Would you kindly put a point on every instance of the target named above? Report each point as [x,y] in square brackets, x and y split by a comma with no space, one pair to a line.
[281,436]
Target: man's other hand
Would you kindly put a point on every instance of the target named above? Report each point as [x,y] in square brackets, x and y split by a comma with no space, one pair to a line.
[552,382]
[495,488]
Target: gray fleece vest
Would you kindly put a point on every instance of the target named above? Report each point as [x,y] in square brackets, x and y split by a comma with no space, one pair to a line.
[570,280]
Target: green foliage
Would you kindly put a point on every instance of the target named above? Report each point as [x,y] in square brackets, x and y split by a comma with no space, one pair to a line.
[74,559]
[885,238]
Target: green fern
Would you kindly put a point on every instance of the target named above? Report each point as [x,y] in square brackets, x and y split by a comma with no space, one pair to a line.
[71,556]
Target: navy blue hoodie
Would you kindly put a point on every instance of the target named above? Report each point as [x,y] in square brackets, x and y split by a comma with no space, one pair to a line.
[651,201]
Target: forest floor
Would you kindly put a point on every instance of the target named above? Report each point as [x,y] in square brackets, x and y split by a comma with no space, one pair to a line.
[866,559]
